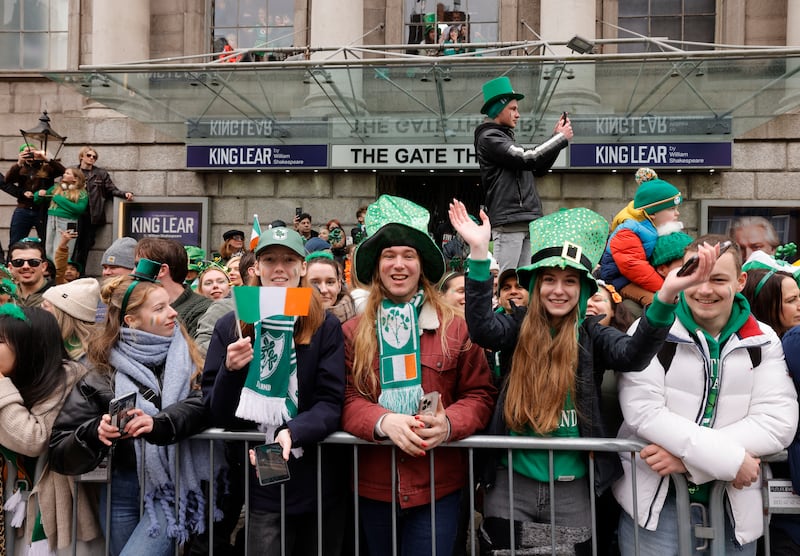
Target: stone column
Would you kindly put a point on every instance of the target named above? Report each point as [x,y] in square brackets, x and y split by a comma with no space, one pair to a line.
[120,32]
[792,86]
[335,24]
[560,21]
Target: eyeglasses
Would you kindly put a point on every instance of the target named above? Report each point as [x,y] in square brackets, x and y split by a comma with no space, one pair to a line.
[33,263]
[90,155]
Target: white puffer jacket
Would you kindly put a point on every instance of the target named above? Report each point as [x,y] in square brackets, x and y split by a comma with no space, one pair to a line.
[757,412]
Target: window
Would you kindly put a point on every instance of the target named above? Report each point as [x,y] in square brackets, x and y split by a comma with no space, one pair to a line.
[254,24]
[428,22]
[681,20]
[33,34]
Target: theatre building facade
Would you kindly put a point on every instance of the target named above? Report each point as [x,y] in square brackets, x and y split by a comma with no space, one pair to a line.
[212,111]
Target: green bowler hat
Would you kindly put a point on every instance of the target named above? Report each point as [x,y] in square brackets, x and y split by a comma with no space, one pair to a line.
[394,221]
[572,238]
[497,88]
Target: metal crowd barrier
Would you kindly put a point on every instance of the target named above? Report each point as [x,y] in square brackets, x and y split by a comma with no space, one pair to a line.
[713,533]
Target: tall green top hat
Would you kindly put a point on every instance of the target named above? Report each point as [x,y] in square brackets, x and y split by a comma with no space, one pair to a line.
[572,238]
[392,221]
[498,88]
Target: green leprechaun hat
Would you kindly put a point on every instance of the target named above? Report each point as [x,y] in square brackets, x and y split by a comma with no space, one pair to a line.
[572,238]
[498,89]
[392,221]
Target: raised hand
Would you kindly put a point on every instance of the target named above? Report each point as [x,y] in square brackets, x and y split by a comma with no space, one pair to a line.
[477,237]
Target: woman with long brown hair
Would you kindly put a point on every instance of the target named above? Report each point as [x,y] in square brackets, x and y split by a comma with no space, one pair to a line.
[141,351]
[409,343]
[552,386]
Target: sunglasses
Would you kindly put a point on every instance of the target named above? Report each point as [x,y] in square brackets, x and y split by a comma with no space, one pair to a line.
[31,239]
[90,155]
[33,263]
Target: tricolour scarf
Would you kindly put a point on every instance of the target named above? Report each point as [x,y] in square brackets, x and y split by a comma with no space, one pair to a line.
[269,396]
[400,369]
[134,355]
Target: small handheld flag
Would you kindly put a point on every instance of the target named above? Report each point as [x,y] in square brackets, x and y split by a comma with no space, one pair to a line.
[255,234]
[253,303]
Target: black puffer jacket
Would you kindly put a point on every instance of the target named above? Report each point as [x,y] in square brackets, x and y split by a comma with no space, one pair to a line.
[507,171]
[75,447]
[601,348]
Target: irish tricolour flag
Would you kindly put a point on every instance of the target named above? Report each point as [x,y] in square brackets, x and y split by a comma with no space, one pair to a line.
[255,234]
[399,368]
[253,303]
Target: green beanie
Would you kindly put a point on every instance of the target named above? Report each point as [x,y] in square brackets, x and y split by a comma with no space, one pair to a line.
[656,195]
[669,247]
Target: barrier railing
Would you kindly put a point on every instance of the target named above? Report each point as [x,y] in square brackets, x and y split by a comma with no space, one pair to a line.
[713,533]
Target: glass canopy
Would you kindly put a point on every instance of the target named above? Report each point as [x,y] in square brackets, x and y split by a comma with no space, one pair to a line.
[370,95]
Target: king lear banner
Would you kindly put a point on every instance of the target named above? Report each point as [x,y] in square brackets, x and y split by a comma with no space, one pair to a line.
[178,218]
[207,157]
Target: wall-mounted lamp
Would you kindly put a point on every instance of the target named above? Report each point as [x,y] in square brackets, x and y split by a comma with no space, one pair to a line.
[580,45]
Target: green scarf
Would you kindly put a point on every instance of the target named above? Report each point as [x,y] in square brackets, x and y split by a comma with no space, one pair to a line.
[269,396]
[400,369]
[740,312]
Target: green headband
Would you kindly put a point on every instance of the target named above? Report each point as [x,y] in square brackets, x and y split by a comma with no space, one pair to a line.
[13,311]
[319,255]
[762,282]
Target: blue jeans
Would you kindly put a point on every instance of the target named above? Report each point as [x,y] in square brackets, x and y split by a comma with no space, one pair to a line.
[129,535]
[22,221]
[413,526]
[664,540]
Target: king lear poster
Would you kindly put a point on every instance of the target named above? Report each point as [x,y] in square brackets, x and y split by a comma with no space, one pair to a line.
[181,221]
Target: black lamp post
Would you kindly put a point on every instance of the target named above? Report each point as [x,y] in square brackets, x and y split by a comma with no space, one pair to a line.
[43,134]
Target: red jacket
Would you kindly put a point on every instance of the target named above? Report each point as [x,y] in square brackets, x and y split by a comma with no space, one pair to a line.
[462,378]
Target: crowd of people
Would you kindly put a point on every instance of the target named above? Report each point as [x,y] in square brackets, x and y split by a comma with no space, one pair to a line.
[536,326]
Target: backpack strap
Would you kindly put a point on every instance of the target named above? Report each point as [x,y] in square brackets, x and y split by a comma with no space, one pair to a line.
[667,354]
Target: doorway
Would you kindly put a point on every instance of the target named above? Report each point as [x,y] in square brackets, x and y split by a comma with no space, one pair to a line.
[435,192]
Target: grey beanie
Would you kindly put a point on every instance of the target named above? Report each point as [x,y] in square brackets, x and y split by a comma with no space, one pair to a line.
[120,253]
[78,298]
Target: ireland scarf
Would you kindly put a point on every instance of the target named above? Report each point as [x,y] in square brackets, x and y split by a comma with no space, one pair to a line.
[269,396]
[400,369]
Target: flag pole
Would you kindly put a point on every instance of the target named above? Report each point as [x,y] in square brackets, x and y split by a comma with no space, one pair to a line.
[236,315]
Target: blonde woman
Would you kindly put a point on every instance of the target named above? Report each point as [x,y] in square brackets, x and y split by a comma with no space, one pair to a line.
[69,200]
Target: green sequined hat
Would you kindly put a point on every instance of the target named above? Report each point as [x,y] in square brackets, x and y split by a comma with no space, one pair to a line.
[572,238]
[392,221]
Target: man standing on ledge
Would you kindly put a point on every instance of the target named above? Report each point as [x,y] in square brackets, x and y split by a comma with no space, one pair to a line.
[507,171]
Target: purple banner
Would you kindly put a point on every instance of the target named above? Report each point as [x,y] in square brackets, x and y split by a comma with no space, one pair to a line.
[179,221]
[200,157]
[659,155]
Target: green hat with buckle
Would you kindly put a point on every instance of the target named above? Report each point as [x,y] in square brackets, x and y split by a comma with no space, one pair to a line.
[195,255]
[496,90]
[281,235]
[394,221]
[573,238]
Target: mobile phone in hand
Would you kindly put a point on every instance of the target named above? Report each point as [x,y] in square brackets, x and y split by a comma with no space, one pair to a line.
[271,468]
[72,226]
[564,116]
[428,404]
[118,410]
[689,266]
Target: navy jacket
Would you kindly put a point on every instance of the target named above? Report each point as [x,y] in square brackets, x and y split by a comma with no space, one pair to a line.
[321,380]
